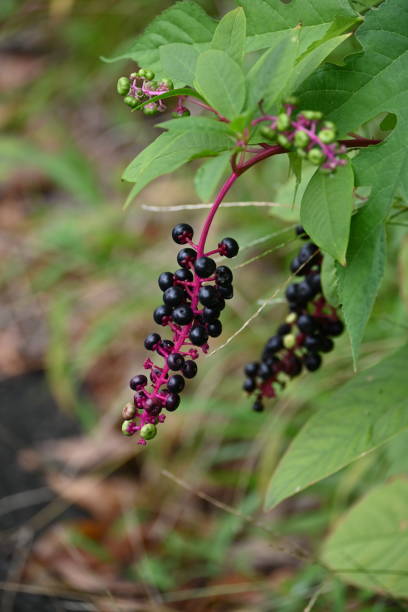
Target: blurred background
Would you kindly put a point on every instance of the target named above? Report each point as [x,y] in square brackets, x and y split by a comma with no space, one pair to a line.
[88,519]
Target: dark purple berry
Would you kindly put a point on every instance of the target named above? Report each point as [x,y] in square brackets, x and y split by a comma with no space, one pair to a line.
[312,343]
[284,329]
[153,406]
[314,282]
[138,381]
[176,383]
[265,371]
[251,369]
[327,344]
[204,267]
[172,402]
[274,344]
[162,314]
[223,276]
[182,232]
[312,361]
[335,328]
[182,315]
[186,257]
[183,275]
[258,406]
[304,292]
[228,247]
[209,315]
[151,341]
[306,324]
[214,329]
[292,365]
[226,291]
[167,345]
[166,280]
[307,251]
[208,295]
[291,293]
[249,385]
[198,335]
[190,369]
[174,296]
[295,265]
[300,232]
[175,361]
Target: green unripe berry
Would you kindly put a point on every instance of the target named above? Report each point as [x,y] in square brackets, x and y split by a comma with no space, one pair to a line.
[311,115]
[151,84]
[291,318]
[133,75]
[148,431]
[283,122]
[283,141]
[127,428]
[329,125]
[267,132]
[130,101]
[142,73]
[289,341]
[167,83]
[123,86]
[292,100]
[327,136]
[149,75]
[150,109]
[301,153]
[316,156]
[185,113]
[301,139]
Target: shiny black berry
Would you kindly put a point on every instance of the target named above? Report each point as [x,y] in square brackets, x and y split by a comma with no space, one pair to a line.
[258,406]
[312,343]
[172,402]
[151,341]
[299,231]
[204,267]
[223,276]
[190,369]
[166,280]
[274,344]
[186,257]
[314,281]
[198,335]
[307,251]
[175,383]
[335,328]
[174,296]
[209,315]
[312,361]
[291,293]
[264,371]
[251,369]
[228,247]
[138,381]
[167,345]
[183,275]
[208,295]
[182,232]
[306,323]
[214,329]
[304,292]
[327,344]
[227,291]
[295,264]
[249,385]
[162,314]
[182,315]
[175,361]
[153,406]
[284,329]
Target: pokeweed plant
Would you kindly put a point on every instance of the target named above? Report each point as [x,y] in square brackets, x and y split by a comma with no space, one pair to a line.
[298,78]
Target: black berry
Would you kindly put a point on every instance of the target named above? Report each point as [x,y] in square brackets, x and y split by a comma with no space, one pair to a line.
[172,402]
[162,314]
[223,276]
[214,329]
[249,385]
[175,383]
[251,369]
[174,296]
[226,291]
[258,406]
[183,275]
[151,341]
[210,315]
[228,247]
[208,295]
[182,315]
[198,335]
[204,267]
[312,361]
[175,361]
[138,381]
[182,232]
[190,369]
[166,280]
[186,257]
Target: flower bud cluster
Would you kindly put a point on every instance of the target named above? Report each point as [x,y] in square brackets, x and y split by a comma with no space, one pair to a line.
[306,133]
[141,87]
[306,333]
[193,298]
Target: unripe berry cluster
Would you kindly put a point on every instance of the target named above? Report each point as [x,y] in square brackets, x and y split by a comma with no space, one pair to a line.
[140,87]
[306,133]
[193,298]
[306,333]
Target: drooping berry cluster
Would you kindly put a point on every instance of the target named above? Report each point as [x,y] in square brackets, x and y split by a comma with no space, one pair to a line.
[306,333]
[306,133]
[140,87]
[193,298]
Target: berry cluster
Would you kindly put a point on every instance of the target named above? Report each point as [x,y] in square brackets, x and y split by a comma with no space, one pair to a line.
[306,333]
[306,133]
[140,87]
[193,298]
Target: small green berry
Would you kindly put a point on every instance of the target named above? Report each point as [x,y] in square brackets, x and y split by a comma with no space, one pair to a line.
[148,431]
[167,83]
[329,125]
[301,153]
[267,132]
[150,109]
[123,86]
[289,341]
[130,101]
[291,318]
[142,73]
[301,139]
[128,428]
[291,100]
[316,156]
[283,122]
[284,141]
[133,75]
[149,75]
[327,136]
[151,84]
[311,115]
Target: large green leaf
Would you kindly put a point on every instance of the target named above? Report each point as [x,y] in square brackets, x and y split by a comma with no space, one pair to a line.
[326,210]
[360,416]
[230,35]
[170,151]
[209,175]
[373,82]
[183,22]
[330,281]
[221,81]
[368,548]
[179,62]
[269,75]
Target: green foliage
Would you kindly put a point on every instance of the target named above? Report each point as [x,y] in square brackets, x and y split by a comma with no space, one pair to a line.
[230,35]
[368,547]
[209,175]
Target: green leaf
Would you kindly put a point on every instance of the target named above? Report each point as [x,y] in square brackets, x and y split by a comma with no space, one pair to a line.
[221,81]
[197,122]
[184,22]
[373,82]
[354,420]
[229,35]
[170,151]
[403,269]
[330,281]
[269,75]
[209,176]
[179,62]
[326,210]
[368,546]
